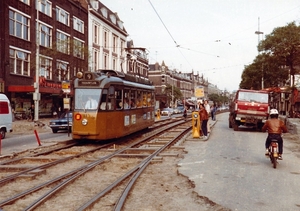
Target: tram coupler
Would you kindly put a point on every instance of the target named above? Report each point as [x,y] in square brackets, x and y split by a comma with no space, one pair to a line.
[196,124]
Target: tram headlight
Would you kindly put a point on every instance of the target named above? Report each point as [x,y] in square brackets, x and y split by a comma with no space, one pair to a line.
[79,75]
[84,122]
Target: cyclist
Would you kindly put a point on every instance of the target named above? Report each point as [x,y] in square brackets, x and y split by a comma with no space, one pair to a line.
[275,128]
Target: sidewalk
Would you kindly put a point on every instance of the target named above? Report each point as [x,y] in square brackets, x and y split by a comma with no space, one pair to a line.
[26,127]
[211,124]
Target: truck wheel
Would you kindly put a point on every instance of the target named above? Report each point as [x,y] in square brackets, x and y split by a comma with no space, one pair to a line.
[235,127]
[229,124]
[259,127]
[54,130]
[2,133]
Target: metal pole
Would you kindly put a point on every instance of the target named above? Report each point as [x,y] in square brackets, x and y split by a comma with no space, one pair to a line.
[262,71]
[36,95]
[172,90]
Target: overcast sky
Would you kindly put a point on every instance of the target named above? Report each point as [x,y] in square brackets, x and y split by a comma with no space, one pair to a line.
[215,38]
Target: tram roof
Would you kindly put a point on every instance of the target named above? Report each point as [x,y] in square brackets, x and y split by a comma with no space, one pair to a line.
[116,76]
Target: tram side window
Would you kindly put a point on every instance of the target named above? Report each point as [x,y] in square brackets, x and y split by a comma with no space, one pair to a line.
[105,103]
[132,101]
[126,99]
[150,99]
[145,95]
[118,97]
[139,100]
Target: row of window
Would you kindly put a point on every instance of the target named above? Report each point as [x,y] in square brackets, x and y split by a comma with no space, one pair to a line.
[120,99]
[105,35]
[45,6]
[19,27]
[19,63]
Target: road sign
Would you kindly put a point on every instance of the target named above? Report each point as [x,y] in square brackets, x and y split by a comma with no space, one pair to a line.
[66,87]
[199,91]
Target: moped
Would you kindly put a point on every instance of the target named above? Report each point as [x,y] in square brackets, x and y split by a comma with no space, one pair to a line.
[273,152]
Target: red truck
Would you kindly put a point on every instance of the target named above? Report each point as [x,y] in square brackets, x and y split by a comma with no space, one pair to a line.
[249,108]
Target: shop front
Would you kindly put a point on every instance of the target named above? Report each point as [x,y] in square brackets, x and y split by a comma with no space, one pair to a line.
[22,98]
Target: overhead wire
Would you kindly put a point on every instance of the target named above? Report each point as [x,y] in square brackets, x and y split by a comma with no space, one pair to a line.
[176,44]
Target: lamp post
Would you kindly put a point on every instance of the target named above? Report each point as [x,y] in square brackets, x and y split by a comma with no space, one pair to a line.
[258,32]
[172,90]
[36,94]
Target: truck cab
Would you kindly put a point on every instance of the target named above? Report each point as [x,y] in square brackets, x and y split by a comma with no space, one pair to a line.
[249,108]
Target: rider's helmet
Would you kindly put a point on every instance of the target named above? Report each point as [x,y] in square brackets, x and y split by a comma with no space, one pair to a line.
[274,113]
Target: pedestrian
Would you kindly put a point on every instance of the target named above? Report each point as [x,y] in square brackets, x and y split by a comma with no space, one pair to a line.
[207,108]
[32,111]
[54,111]
[185,112]
[59,111]
[213,110]
[203,119]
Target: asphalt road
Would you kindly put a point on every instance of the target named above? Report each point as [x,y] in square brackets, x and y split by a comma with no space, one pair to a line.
[17,143]
[231,170]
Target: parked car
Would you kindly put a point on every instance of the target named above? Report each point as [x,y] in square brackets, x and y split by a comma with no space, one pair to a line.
[180,109]
[61,123]
[166,112]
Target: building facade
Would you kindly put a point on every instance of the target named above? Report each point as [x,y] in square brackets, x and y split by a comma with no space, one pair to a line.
[162,76]
[43,43]
[107,39]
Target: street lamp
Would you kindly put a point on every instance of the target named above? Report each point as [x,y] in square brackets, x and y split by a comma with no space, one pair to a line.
[36,94]
[262,71]
[172,90]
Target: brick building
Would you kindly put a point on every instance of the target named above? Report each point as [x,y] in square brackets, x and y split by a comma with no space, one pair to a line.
[43,37]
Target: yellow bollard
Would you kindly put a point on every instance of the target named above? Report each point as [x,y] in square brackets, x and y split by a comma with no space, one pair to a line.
[158,114]
[196,124]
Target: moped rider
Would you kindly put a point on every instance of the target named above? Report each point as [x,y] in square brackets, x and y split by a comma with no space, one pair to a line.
[275,128]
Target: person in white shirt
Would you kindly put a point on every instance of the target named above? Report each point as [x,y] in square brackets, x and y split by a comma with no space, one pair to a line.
[207,108]
[91,103]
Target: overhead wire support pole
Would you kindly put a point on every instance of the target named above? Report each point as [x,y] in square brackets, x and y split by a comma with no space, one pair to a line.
[262,71]
[36,94]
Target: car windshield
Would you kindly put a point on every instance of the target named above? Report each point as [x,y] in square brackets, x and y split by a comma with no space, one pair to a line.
[253,97]
[64,115]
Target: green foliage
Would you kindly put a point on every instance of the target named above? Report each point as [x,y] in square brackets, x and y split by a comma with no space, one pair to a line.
[176,92]
[281,54]
[218,99]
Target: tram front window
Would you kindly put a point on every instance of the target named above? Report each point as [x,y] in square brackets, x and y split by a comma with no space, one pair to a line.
[87,98]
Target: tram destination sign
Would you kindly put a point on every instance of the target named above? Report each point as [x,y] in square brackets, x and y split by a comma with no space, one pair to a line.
[88,83]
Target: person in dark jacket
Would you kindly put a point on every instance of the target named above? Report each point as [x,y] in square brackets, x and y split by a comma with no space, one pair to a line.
[275,128]
[204,119]
[185,112]
[32,111]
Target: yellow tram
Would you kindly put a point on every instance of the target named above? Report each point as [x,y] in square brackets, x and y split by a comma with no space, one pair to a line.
[110,104]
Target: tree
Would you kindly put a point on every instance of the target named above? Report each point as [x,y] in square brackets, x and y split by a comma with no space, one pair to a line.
[218,99]
[280,57]
[283,44]
[273,72]
[176,91]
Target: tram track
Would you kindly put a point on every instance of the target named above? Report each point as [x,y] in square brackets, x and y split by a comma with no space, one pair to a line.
[63,180]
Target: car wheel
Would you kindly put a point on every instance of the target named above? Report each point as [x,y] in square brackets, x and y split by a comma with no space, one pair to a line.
[54,130]
[2,133]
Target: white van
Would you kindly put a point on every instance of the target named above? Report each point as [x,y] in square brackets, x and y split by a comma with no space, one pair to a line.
[5,116]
